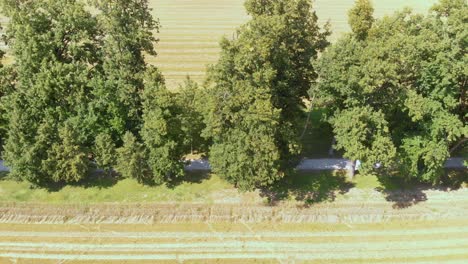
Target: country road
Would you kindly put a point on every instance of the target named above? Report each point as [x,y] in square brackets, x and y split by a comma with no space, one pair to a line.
[305,165]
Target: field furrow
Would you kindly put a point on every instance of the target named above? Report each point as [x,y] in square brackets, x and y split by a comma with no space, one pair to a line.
[204,22]
[392,242]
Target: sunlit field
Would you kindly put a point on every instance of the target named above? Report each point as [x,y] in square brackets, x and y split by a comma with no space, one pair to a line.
[191,29]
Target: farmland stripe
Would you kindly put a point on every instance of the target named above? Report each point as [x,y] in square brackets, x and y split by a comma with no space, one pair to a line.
[364,254]
[362,233]
[249,244]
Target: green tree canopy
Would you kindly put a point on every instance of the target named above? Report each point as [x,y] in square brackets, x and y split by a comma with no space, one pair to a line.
[105,152]
[191,100]
[361,18]
[7,77]
[411,73]
[128,34]
[162,132]
[78,73]
[54,44]
[256,91]
[132,160]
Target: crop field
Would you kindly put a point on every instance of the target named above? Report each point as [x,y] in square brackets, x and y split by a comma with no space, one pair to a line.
[390,242]
[191,29]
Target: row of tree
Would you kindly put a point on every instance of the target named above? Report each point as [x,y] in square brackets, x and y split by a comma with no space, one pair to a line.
[80,94]
[396,88]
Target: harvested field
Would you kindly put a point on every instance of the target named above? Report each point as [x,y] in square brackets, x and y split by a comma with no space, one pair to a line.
[192,29]
[392,242]
[360,226]
[356,206]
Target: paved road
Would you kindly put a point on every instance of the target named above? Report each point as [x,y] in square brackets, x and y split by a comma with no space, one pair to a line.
[305,165]
[2,167]
[321,165]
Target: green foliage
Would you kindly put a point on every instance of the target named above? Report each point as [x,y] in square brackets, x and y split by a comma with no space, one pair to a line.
[361,18]
[127,27]
[364,135]
[131,159]
[7,77]
[409,77]
[256,92]
[162,132]
[191,100]
[66,159]
[53,44]
[74,70]
[105,152]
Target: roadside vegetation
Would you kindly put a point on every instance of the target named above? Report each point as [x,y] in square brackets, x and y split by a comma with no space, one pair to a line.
[80,96]
[396,89]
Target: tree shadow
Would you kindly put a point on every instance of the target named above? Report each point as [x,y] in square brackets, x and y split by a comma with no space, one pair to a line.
[4,175]
[317,135]
[94,179]
[99,179]
[309,188]
[189,177]
[404,193]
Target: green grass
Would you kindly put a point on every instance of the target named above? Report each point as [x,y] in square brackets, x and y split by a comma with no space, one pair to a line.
[126,190]
[304,188]
[308,188]
[367,182]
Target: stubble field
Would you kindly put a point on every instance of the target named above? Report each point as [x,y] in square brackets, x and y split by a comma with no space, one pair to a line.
[191,29]
[360,225]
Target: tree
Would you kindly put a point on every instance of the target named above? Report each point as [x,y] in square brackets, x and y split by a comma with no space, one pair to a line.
[408,80]
[7,77]
[128,27]
[131,159]
[256,92]
[7,86]
[364,135]
[54,44]
[361,18]
[191,101]
[73,69]
[162,132]
[67,160]
[105,153]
